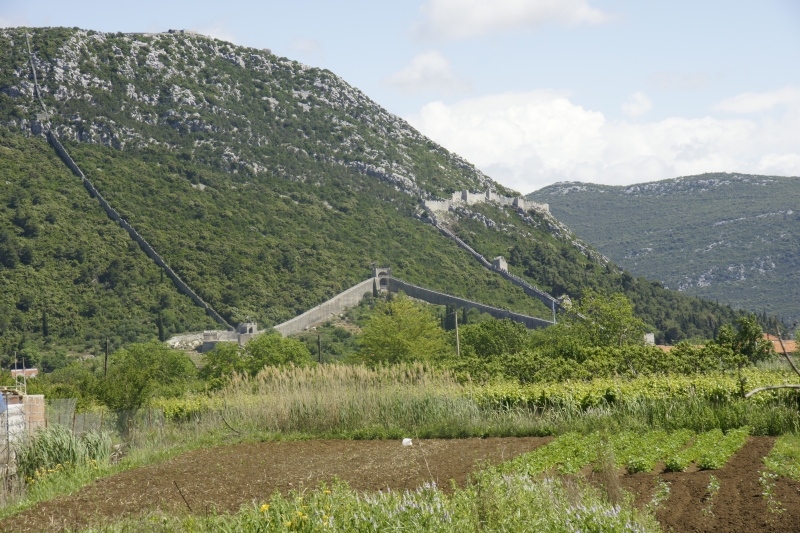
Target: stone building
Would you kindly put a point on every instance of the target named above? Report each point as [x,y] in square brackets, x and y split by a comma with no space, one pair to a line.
[499,263]
[244,332]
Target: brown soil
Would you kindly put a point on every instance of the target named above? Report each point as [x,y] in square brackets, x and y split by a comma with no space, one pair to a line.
[226,478]
[738,506]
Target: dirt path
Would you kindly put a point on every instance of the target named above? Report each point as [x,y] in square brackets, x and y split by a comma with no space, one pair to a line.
[738,506]
[228,477]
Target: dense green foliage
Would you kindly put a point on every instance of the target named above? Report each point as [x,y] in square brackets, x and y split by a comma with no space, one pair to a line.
[267,185]
[264,350]
[401,331]
[599,336]
[540,249]
[726,237]
[134,376]
[70,277]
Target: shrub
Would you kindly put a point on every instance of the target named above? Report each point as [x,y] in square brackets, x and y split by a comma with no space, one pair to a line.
[56,447]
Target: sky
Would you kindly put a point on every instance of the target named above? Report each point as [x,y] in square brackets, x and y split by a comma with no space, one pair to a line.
[533,92]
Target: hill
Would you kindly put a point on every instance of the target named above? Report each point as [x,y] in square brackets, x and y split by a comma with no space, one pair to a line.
[267,185]
[734,238]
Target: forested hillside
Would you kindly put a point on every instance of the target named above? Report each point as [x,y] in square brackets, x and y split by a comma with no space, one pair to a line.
[727,237]
[267,185]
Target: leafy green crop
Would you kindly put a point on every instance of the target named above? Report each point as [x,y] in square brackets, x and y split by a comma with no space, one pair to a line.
[714,458]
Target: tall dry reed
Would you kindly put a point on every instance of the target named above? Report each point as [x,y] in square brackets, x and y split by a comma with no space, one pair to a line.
[344,399]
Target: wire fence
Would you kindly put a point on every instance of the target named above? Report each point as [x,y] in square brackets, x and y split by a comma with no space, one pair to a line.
[120,423]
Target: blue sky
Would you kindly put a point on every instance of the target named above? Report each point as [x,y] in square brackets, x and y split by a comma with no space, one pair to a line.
[531,91]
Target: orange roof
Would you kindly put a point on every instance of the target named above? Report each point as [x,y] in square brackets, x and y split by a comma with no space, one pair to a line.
[28,372]
[791,346]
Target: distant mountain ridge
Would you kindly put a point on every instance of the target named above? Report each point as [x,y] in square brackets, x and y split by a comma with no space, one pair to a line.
[728,237]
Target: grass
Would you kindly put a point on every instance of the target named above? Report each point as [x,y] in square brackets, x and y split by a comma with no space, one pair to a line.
[56,447]
[354,402]
[492,502]
[784,459]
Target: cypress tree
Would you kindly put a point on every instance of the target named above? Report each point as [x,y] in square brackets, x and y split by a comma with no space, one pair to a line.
[374,288]
[160,324]
[45,327]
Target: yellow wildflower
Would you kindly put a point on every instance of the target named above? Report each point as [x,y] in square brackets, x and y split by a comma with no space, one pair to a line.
[264,507]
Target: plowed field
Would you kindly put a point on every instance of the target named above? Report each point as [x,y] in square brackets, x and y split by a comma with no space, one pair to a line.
[225,478]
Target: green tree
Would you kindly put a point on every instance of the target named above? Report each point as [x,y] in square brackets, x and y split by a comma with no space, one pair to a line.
[275,350]
[220,364]
[493,338]
[267,349]
[137,373]
[402,331]
[748,341]
[605,321]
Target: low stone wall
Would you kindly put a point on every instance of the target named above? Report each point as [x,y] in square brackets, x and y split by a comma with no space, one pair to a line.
[145,246]
[335,306]
[439,298]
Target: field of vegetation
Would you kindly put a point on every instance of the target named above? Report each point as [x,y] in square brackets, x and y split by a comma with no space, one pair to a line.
[635,413]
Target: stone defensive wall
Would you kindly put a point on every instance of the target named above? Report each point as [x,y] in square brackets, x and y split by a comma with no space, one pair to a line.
[352,296]
[439,298]
[335,306]
[113,215]
[529,289]
[462,198]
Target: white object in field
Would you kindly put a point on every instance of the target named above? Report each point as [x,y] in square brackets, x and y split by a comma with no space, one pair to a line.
[406,442]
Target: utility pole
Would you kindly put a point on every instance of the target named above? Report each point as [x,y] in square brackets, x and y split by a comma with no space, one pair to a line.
[319,348]
[554,310]
[458,346]
[105,361]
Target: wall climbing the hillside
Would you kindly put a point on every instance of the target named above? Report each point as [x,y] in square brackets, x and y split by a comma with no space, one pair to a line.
[113,215]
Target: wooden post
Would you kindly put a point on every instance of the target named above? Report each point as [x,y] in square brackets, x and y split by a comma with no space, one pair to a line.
[458,346]
[105,361]
[319,348]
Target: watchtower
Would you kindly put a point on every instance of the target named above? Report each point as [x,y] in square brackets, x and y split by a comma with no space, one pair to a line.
[499,263]
[247,327]
[382,274]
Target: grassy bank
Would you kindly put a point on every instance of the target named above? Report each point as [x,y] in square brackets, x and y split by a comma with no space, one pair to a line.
[353,402]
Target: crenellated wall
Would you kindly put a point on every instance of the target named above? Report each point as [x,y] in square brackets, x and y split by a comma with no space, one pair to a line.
[529,289]
[461,198]
[113,215]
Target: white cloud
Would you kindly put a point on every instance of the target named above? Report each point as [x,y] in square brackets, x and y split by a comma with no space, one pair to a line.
[527,140]
[672,80]
[428,71]
[455,19]
[637,105]
[755,102]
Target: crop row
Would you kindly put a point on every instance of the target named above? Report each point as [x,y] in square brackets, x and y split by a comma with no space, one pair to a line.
[637,452]
[717,387]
